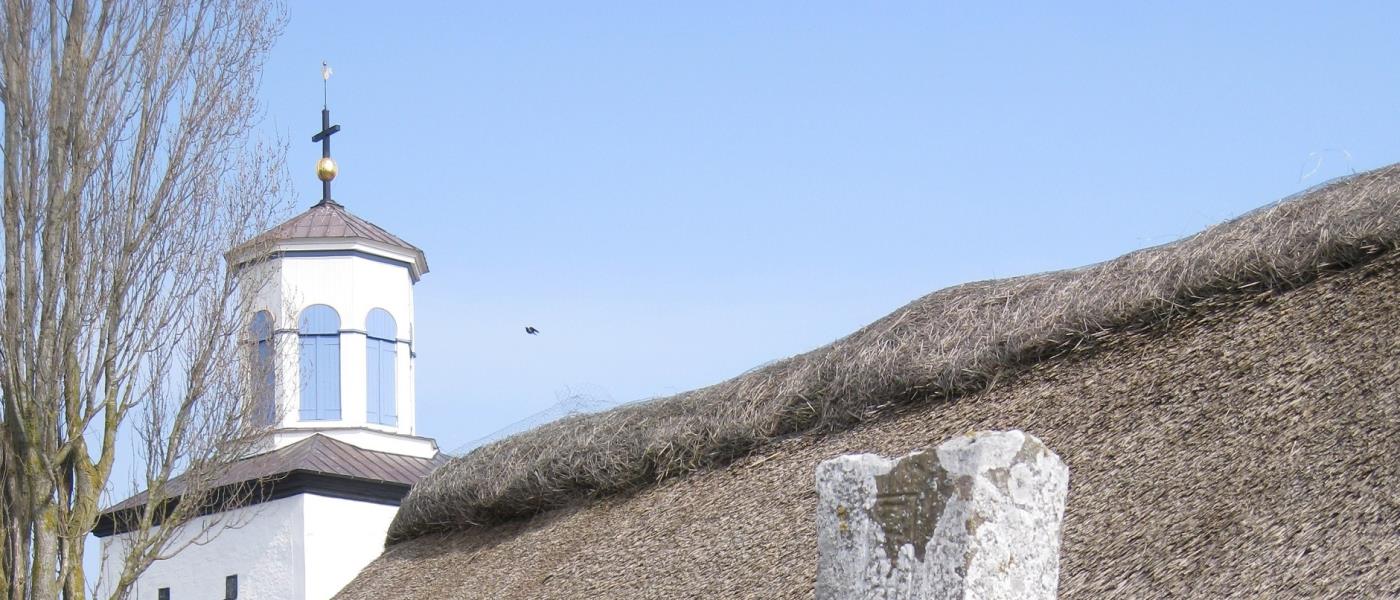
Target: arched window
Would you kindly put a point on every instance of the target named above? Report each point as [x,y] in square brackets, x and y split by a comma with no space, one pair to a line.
[319,333]
[264,368]
[381,358]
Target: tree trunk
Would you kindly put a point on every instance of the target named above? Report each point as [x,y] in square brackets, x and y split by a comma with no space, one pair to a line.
[128,169]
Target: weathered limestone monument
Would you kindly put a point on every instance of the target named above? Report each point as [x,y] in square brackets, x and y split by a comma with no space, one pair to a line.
[979,517]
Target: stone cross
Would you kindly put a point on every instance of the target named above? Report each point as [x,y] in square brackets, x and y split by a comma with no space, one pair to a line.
[979,517]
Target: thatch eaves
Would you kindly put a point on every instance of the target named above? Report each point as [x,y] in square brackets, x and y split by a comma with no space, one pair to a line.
[946,345]
[1244,449]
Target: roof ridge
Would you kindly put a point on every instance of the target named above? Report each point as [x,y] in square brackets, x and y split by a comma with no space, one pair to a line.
[947,344]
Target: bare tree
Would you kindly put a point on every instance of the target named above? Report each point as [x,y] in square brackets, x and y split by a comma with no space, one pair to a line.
[129,168]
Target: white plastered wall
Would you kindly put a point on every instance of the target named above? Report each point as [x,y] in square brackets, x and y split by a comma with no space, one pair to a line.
[361,437]
[336,551]
[306,547]
[262,544]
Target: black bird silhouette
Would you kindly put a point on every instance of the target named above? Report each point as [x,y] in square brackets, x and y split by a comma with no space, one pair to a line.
[531,330]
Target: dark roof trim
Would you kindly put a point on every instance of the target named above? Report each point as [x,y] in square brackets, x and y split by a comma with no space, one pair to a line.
[291,484]
[344,488]
[357,253]
[412,274]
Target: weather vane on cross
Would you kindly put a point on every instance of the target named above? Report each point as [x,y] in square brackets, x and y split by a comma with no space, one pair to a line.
[326,167]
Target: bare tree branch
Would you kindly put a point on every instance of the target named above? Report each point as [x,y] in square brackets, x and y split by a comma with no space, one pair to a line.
[128,170]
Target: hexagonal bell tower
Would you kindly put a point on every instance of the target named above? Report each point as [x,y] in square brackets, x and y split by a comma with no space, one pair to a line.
[334,316]
[331,328]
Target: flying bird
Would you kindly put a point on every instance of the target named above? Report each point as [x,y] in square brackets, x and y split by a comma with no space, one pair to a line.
[531,330]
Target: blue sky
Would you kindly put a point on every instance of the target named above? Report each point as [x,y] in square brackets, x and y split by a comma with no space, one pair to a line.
[676,193]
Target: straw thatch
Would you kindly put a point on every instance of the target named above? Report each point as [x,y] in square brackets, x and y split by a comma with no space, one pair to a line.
[1229,406]
[945,345]
[1244,448]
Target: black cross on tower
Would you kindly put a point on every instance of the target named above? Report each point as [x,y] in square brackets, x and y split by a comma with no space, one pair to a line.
[326,169]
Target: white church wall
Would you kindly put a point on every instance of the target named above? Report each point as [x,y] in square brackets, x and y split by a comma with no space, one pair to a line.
[342,537]
[263,281]
[363,438]
[261,544]
[408,411]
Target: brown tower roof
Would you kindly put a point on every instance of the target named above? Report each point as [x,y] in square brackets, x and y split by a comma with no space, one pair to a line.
[329,219]
[305,466]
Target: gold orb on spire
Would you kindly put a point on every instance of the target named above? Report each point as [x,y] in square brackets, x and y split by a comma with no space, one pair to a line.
[326,169]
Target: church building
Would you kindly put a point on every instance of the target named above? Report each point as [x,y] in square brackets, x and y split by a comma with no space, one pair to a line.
[333,318]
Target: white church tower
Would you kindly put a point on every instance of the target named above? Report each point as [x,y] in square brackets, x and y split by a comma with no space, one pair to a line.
[334,317]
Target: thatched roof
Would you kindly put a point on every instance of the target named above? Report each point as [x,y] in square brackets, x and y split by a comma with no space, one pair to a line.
[1227,405]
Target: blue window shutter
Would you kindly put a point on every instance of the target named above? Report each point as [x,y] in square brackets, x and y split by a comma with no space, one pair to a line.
[387,367]
[267,405]
[319,328]
[381,332]
[264,381]
[262,325]
[372,388]
[379,324]
[308,377]
[328,377]
[380,381]
[319,319]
